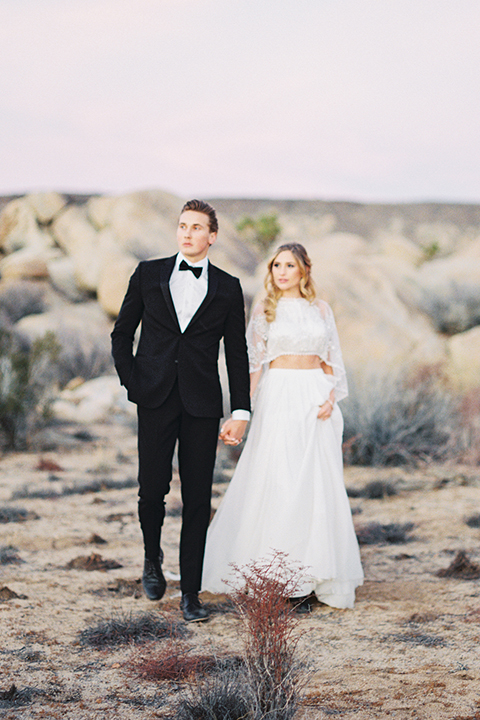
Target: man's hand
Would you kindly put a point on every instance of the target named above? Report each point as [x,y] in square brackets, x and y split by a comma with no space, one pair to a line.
[232,431]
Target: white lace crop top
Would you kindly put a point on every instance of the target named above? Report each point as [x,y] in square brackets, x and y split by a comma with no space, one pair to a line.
[299,328]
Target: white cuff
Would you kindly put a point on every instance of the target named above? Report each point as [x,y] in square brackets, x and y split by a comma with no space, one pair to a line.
[241,415]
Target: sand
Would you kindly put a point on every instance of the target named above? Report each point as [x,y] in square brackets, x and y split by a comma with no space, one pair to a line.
[409,648]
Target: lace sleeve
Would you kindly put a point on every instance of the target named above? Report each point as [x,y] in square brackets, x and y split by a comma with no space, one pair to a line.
[257,338]
[333,354]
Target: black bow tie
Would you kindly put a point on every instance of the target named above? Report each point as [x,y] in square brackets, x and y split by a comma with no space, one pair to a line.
[197,271]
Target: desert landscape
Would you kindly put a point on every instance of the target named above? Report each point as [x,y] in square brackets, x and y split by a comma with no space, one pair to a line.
[77,630]
[409,649]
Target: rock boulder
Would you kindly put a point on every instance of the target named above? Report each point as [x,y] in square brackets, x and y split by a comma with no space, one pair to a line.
[46,205]
[94,401]
[463,365]
[79,240]
[19,228]
[28,263]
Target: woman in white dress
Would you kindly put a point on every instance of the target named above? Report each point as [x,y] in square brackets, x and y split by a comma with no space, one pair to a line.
[287,493]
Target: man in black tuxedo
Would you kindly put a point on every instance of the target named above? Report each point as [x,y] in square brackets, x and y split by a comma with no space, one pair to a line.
[186,305]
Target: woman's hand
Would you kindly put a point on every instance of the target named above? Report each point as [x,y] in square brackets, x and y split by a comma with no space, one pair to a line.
[232,431]
[325,410]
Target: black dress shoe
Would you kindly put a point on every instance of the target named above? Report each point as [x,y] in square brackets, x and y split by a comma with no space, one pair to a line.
[192,608]
[153,579]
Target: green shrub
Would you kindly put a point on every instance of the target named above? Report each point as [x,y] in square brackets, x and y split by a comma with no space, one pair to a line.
[27,376]
[261,231]
[431,249]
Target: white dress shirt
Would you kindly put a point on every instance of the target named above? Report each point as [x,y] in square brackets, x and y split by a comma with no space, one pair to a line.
[188,292]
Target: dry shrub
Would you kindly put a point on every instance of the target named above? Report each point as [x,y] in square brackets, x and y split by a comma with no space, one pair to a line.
[13,697]
[377,534]
[374,490]
[273,668]
[454,310]
[416,638]
[469,424]
[473,521]
[48,464]
[55,694]
[129,628]
[118,517]
[94,561]
[9,555]
[78,357]
[126,588]
[266,682]
[399,419]
[472,616]
[173,660]
[121,587]
[461,567]
[95,539]
[75,488]
[15,514]
[420,618]
[20,298]
[7,594]
[221,697]
[379,489]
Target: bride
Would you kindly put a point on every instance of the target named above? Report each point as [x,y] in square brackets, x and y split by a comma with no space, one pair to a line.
[287,493]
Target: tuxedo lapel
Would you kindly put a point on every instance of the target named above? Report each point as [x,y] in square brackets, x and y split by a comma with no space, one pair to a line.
[211,292]
[165,271]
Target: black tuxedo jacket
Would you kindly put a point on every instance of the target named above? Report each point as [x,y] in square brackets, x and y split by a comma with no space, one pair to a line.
[164,353]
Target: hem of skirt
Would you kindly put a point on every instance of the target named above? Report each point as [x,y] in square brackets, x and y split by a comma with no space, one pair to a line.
[335,593]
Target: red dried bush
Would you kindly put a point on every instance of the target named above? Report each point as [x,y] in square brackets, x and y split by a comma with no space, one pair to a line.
[271,637]
[47,464]
[173,660]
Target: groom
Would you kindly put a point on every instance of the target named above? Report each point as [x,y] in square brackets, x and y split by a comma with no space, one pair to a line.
[186,305]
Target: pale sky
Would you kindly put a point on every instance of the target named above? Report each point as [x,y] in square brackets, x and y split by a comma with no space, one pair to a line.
[369,100]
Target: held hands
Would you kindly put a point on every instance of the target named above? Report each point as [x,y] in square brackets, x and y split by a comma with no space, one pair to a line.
[232,431]
[325,410]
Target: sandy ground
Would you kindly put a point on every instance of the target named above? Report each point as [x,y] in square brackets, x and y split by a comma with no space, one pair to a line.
[409,649]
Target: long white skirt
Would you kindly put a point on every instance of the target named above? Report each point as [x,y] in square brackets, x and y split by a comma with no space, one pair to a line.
[288,494]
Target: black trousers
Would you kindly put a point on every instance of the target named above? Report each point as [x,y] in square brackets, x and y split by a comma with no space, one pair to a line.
[158,430]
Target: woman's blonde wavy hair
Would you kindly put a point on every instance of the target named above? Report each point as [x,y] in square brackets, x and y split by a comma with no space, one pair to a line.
[307,287]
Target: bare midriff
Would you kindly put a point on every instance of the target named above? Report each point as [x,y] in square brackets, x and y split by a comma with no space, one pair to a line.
[299,362]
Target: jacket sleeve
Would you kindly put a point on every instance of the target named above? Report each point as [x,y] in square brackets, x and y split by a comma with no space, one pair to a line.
[236,352]
[125,326]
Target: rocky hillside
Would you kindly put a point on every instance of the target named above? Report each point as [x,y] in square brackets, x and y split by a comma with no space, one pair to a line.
[403,280]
